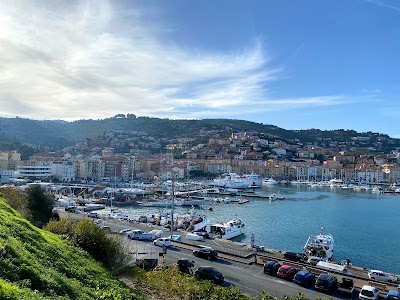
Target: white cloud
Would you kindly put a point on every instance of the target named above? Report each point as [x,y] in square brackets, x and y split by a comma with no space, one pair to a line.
[72,60]
[383,4]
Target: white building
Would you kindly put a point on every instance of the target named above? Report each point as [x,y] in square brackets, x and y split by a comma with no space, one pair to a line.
[39,172]
[65,171]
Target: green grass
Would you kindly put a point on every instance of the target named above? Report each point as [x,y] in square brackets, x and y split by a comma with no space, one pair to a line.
[37,264]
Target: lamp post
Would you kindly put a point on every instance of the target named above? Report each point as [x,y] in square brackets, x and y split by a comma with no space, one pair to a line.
[172,207]
[174,171]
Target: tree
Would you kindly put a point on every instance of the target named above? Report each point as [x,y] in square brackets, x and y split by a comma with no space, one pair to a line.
[40,205]
[17,200]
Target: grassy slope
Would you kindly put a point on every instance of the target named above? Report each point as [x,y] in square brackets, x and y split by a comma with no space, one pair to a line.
[36,264]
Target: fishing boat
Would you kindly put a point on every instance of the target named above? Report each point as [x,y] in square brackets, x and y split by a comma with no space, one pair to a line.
[320,245]
[228,230]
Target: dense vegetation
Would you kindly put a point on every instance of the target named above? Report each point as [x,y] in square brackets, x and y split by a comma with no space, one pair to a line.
[34,204]
[111,250]
[37,264]
[59,134]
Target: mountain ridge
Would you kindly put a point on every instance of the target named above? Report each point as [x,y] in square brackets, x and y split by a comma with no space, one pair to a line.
[57,134]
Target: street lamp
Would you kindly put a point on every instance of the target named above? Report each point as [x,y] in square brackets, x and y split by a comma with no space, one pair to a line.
[174,171]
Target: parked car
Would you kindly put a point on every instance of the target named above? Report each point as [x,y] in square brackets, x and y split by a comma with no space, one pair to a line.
[207,253]
[392,295]
[286,272]
[106,228]
[209,273]
[314,260]
[93,215]
[368,293]
[304,278]
[294,256]
[185,265]
[162,242]
[271,267]
[381,276]
[326,282]
[140,235]
[346,286]
[125,231]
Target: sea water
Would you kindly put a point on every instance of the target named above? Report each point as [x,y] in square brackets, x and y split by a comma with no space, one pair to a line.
[365,226]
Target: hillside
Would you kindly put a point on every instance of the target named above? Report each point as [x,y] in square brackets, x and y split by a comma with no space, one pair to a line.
[36,264]
[57,135]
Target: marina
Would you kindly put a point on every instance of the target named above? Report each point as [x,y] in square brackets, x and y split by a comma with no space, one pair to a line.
[363,223]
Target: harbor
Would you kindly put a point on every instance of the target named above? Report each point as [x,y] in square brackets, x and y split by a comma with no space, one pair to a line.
[285,225]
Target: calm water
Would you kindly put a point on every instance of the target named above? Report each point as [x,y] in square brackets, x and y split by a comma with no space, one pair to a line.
[365,226]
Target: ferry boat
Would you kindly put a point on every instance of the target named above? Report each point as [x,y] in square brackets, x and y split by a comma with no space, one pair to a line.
[228,230]
[320,245]
[234,180]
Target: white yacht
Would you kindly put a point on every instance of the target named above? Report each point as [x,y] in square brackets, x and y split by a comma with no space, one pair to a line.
[320,245]
[228,230]
[269,181]
[234,180]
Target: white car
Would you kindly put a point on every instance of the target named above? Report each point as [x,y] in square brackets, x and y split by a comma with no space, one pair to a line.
[368,293]
[93,215]
[125,231]
[162,241]
[381,276]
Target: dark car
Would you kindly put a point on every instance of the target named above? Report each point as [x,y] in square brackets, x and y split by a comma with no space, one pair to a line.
[185,265]
[304,278]
[209,273]
[271,267]
[207,253]
[294,256]
[326,282]
[286,272]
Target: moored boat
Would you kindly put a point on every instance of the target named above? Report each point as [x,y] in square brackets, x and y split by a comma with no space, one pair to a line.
[228,230]
[269,181]
[320,245]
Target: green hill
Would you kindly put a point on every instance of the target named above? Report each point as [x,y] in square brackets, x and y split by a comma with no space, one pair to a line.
[37,264]
[56,134]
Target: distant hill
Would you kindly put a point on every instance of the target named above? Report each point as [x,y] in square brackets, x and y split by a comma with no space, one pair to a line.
[58,134]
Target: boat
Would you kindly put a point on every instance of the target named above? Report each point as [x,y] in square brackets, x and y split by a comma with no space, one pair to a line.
[255,180]
[228,230]
[320,245]
[269,181]
[188,202]
[234,180]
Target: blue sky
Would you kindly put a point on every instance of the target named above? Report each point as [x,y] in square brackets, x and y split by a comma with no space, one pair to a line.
[294,64]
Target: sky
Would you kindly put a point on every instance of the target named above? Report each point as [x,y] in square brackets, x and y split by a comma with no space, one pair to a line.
[331,64]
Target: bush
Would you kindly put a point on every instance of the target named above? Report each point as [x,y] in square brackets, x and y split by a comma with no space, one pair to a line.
[111,250]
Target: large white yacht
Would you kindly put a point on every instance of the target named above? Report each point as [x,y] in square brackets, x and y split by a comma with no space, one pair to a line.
[228,230]
[234,180]
[320,245]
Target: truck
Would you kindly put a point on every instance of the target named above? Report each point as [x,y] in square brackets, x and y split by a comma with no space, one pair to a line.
[141,235]
[346,286]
